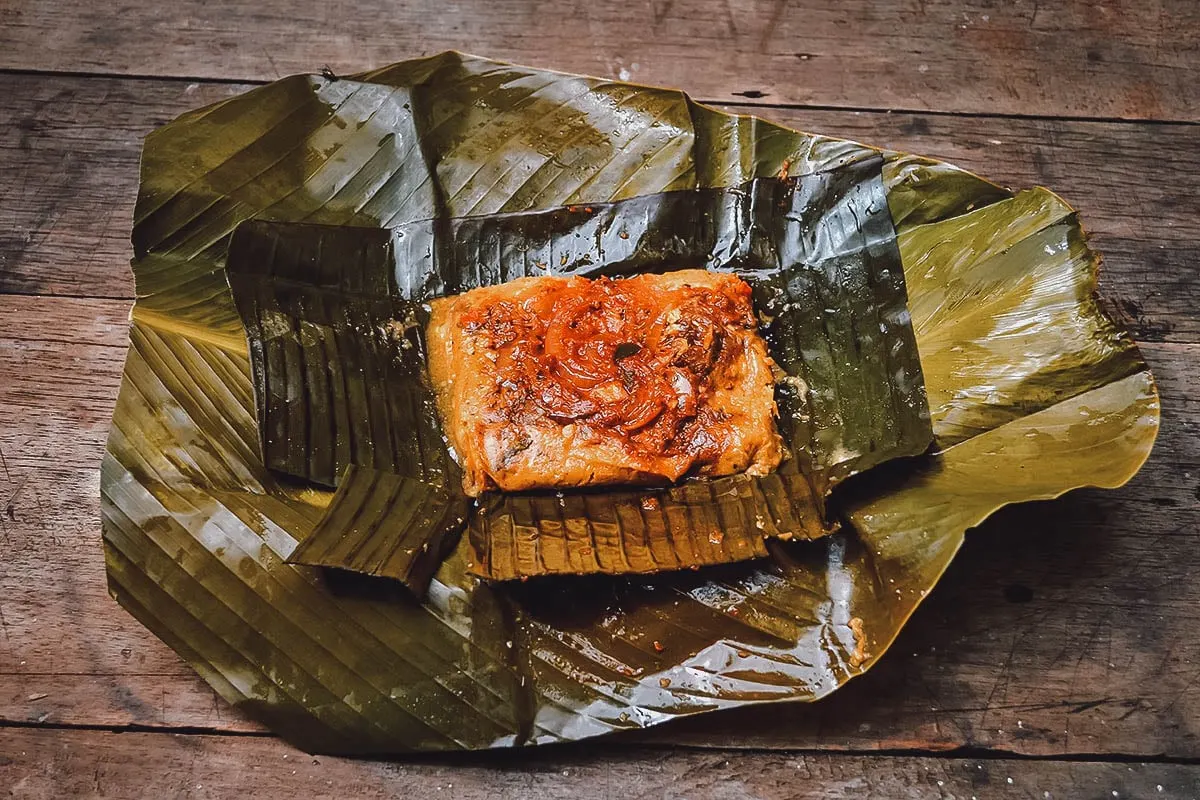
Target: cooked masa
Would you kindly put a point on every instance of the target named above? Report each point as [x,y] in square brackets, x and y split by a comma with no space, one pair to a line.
[564,382]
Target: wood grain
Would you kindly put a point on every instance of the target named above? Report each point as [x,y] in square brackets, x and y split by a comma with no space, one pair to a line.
[1064,627]
[1123,58]
[51,764]
[75,146]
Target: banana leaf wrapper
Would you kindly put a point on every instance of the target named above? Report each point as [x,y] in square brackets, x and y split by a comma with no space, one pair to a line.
[1032,392]
[387,525]
[695,524]
[338,358]
[339,372]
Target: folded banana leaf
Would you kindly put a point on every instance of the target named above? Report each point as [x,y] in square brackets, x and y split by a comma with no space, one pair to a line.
[335,325]
[380,523]
[698,523]
[339,359]
[1032,392]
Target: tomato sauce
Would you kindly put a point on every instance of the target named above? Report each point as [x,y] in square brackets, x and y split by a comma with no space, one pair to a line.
[620,356]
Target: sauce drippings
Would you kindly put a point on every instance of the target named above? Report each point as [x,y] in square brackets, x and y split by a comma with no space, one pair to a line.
[620,357]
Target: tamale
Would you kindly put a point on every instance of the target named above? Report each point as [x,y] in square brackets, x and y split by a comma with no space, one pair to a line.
[566,382]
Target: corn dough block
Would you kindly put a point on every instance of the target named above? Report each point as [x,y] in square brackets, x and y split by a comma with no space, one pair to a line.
[554,382]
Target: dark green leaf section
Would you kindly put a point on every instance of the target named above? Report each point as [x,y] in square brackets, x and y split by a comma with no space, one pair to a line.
[839,324]
[819,249]
[338,360]
[696,524]
[383,524]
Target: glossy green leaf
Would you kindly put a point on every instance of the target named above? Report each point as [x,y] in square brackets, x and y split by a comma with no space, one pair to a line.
[338,358]
[383,524]
[1032,391]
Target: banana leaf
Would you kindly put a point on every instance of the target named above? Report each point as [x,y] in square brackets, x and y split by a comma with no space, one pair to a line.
[695,524]
[1032,392]
[334,317]
[338,359]
[383,524]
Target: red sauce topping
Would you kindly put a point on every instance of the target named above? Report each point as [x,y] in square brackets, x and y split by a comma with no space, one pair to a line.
[621,356]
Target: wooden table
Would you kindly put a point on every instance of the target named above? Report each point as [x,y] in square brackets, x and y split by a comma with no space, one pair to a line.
[1060,656]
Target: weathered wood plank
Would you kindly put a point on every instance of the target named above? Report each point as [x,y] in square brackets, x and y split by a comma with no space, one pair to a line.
[75,142]
[1063,627]
[50,764]
[1127,58]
